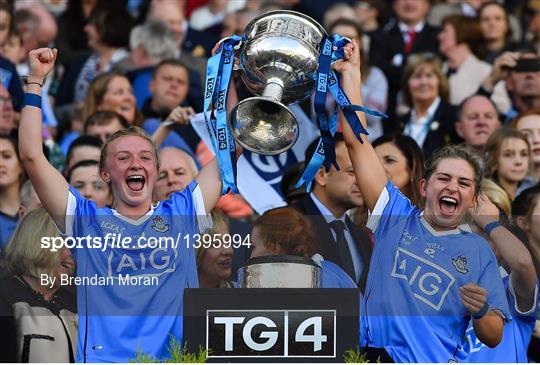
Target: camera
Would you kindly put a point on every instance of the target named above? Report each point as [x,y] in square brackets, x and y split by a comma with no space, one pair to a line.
[527,65]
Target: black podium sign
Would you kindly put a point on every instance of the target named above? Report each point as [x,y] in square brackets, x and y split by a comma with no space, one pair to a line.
[273,325]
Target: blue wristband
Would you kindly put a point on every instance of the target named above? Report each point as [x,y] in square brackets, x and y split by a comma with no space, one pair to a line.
[491,226]
[32,100]
[482,312]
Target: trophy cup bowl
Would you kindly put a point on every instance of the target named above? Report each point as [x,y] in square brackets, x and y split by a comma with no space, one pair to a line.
[279,58]
[279,272]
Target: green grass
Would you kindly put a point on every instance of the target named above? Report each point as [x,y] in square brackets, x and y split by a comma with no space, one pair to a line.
[356,357]
[176,353]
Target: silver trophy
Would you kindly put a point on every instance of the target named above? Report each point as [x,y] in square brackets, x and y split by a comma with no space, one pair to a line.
[278,60]
[279,272]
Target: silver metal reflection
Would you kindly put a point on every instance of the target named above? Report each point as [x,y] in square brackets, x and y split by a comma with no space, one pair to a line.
[279,272]
[278,60]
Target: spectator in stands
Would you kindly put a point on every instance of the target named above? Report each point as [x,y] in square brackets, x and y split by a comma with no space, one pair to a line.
[84,176]
[333,193]
[112,91]
[407,34]
[374,83]
[370,15]
[458,39]
[431,119]
[6,20]
[103,124]
[108,37]
[214,261]
[170,87]
[83,148]
[496,30]
[508,159]
[176,170]
[528,123]
[7,114]
[520,72]
[150,43]
[532,12]
[199,43]
[29,199]
[403,162]
[41,321]
[519,278]
[13,49]
[213,13]
[11,179]
[339,10]
[477,119]
[285,231]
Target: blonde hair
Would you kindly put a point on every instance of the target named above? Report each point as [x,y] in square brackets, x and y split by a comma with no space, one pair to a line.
[416,61]
[24,254]
[131,131]
[497,195]
[220,227]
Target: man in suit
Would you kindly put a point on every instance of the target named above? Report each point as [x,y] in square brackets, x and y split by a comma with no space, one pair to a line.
[401,37]
[333,193]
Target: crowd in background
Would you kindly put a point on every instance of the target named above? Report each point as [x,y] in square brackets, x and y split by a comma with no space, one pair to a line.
[445,72]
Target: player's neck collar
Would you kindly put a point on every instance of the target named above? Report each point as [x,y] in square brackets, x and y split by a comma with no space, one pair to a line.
[458,230]
[137,221]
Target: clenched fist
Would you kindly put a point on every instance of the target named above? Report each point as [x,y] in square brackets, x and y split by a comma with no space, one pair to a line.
[41,62]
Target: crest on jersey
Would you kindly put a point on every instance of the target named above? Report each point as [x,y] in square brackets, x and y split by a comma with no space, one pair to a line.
[159,225]
[461,263]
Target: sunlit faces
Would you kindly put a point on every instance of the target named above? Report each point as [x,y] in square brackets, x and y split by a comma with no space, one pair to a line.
[216,262]
[447,39]
[169,87]
[524,84]
[530,127]
[119,98]
[10,167]
[5,21]
[177,169]
[88,183]
[104,131]
[424,84]
[479,119]
[257,245]
[170,13]
[493,22]
[513,160]
[449,193]
[395,164]
[131,169]
[340,186]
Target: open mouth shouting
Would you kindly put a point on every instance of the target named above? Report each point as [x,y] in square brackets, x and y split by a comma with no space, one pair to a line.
[448,205]
[135,182]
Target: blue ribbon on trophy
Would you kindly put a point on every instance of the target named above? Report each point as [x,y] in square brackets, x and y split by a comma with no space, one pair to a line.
[218,75]
[328,80]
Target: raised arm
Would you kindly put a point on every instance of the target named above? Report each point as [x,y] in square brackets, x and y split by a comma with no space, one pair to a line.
[513,252]
[368,170]
[50,185]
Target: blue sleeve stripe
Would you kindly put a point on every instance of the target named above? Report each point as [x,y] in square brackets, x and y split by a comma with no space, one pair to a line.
[532,310]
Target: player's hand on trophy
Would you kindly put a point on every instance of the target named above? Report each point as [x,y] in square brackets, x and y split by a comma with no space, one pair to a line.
[351,62]
[180,115]
[41,62]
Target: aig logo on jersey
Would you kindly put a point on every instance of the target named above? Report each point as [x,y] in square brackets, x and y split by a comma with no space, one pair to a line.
[271,333]
[429,283]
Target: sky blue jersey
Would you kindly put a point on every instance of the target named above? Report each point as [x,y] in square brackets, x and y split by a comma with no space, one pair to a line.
[412,304]
[516,336]
[138,304]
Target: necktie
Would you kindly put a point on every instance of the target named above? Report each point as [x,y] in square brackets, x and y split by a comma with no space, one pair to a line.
[343,248]
[411,37]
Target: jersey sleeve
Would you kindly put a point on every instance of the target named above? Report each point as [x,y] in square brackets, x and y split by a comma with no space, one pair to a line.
[190,201]
[490,279]
[79,212]
[391,207]
[529,313]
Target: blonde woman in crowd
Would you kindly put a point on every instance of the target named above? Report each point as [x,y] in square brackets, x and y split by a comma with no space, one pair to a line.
[40,318]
